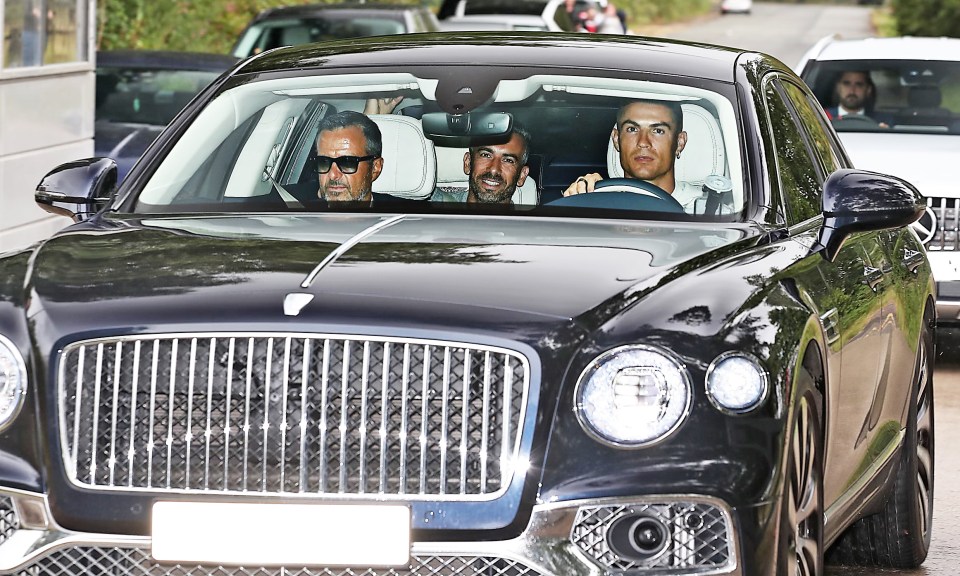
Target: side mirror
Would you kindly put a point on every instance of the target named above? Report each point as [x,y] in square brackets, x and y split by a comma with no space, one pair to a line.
[78,189]
[861,201]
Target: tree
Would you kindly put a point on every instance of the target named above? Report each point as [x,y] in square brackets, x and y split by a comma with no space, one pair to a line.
[927,17]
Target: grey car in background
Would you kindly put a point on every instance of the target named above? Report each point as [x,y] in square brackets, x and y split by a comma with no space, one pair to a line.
[295,25]
[140,91]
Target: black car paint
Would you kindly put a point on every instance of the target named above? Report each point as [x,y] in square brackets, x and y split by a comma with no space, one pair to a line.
[117,273]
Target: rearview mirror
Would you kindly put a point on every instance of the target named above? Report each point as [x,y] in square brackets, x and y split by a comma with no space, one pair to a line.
[467,129]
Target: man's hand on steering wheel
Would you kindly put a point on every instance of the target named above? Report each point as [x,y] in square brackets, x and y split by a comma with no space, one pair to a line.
[583,184]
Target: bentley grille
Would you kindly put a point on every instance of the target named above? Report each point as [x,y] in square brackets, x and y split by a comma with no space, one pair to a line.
[292,415]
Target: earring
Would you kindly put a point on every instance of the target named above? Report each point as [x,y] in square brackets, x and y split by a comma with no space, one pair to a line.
[678,155]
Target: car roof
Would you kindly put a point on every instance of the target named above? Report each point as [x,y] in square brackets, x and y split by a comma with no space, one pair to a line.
[564,50]
[165,60]
[901,48]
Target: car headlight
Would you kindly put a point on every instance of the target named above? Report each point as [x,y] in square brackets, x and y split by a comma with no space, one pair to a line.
[633,396]
[736,382]
[13,381]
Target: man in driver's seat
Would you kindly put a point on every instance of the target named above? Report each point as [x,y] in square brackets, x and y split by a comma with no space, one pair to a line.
[855,93]
[649,138]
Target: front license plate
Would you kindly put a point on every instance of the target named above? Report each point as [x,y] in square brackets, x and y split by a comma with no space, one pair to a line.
[250,534]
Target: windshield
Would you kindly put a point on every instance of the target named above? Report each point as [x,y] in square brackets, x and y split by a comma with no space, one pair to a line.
[916,96]
[263,145]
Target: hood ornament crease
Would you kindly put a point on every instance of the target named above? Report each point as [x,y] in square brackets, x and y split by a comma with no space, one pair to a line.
[294,302]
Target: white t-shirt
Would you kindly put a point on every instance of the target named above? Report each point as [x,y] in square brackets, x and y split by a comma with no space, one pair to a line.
[694,200]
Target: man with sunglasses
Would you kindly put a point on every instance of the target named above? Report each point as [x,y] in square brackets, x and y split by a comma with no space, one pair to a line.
[348,157]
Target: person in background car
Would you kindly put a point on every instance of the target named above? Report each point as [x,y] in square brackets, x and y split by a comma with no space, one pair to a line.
[609,21]
[348,157]
[855,94]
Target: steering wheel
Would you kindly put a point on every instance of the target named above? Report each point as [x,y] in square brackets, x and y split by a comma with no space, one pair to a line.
[623,194]
[639,187]
[855,122]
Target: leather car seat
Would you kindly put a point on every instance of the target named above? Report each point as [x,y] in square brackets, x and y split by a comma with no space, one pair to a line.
[409,161]
[926,100]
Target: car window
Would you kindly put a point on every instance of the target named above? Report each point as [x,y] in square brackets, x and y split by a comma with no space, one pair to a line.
[254,146]
[824,146]
[270,34]
[903,95]
[796,170]
[145,96]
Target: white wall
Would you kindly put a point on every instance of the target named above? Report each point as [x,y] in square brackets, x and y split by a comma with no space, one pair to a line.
[44,121]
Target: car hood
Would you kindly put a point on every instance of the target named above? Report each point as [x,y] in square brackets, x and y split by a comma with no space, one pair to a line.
[924,160]
[125,143]
[475,272]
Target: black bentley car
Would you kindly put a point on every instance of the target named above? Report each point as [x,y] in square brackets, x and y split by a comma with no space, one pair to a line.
[595,305]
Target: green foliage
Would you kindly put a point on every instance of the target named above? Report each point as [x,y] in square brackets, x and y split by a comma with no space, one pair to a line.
[193,25]
[927,17]
[641,12]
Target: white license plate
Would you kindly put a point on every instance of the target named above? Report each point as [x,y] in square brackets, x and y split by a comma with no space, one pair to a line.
[265,534]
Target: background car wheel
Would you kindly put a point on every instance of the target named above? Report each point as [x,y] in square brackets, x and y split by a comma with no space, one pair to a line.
[801,541]
[899,536]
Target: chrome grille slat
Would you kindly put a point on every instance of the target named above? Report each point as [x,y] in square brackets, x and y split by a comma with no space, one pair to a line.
[292,414]
[946,237]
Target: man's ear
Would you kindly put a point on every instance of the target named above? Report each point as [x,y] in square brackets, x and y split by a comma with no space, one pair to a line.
[466,162]
[681,141]
[523,176]
[376,169]
[615,137]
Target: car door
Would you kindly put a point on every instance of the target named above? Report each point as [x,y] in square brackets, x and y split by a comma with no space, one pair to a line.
[845,292]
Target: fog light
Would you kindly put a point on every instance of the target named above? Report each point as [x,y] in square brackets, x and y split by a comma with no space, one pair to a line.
[736,382]
[638,537]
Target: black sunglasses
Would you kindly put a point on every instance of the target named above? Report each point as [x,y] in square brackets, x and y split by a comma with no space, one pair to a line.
[347,164]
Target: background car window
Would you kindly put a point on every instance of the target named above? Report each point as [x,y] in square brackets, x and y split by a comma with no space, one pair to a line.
[146,96]
[909,95]
[824,146]
[798,175]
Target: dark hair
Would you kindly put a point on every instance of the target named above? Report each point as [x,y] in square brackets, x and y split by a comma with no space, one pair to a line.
[520,131]
[348,119]
[673,106]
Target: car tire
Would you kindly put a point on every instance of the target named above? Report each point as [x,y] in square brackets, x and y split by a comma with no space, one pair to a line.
[801,534]
[899,536]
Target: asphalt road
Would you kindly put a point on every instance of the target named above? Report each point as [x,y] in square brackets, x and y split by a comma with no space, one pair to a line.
[787,31]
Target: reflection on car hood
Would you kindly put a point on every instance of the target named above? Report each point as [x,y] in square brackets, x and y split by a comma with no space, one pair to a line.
[168,270]
[125,143]
[925,160]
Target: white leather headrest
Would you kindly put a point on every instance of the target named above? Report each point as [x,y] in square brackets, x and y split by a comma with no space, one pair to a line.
[450,166]
[450,175]
[409,162]
[702,156]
